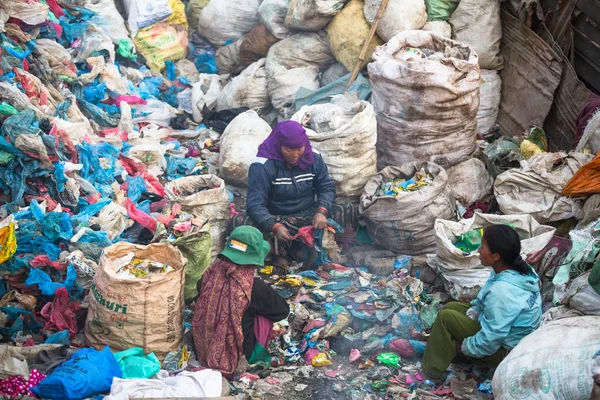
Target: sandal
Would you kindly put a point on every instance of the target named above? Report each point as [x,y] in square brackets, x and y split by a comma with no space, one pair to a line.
[414,381]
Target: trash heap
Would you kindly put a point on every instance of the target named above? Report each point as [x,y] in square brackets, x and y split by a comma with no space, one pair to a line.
[128,126]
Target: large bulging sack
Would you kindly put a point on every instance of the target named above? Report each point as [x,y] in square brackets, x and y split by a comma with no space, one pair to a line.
[477,23]
[399,16]
[582,297]
[469,181]
[159,43]
[312,15]
[425,109]
[248,89]
[193,11]
[554,362]
[489,101]
[293,63]
[143,312]
[239,145]
[256,45]
[536,188]
[228,57]
[195,248]
[345,133]
[441,28]
[463,273]
[347,33]
[223,20]
[404,224]
[205,197]
[272,13]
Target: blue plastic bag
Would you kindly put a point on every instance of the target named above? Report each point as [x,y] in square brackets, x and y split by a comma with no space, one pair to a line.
[61,337]
[87,373]
[45,284]
[206,64]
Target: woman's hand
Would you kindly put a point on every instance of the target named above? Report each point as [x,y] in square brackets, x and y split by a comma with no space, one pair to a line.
[319,221]
[283,234]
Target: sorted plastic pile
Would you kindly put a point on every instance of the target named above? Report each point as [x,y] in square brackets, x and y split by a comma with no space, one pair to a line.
[398,186]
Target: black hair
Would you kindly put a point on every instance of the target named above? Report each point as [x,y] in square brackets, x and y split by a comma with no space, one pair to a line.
[504,241]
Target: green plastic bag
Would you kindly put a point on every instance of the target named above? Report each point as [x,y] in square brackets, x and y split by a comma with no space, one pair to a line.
[196,248]
[389,359]
[440,10]
[429,313]
[134,364]
[7,109]
[259,354]
[5,157]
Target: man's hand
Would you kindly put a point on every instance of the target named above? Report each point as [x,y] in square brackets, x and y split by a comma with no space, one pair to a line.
[458,348]
[283,234]
[319,221]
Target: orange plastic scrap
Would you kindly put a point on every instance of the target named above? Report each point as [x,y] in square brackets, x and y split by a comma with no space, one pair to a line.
[586,181]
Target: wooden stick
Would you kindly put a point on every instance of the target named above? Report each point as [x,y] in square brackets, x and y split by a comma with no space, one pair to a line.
[363,52]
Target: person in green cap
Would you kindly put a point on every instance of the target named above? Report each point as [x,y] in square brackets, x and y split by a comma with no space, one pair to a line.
[235,311]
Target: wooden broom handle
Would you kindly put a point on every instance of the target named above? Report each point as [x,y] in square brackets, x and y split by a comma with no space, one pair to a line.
[363,52]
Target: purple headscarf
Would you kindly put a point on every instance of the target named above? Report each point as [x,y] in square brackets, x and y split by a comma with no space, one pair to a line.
[291,135]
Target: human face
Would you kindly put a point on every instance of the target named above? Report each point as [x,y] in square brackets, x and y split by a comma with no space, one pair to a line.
[486,256]
[291,156]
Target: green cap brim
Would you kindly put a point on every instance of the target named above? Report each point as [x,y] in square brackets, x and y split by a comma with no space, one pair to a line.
[242,258]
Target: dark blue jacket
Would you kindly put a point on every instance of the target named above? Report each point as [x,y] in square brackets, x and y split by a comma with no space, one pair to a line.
[274,189]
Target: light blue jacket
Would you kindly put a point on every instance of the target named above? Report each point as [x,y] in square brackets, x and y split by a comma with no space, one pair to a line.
[509,307]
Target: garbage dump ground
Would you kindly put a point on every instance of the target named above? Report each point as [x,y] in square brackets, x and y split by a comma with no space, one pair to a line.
[127,131]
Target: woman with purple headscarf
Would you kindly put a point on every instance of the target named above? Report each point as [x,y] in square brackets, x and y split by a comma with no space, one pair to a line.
[288,187]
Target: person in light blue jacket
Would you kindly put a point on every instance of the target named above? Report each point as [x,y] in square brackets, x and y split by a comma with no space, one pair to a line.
[508,308]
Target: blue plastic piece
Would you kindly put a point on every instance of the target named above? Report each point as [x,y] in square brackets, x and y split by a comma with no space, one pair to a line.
[87,373]
[45,284]
[61,337]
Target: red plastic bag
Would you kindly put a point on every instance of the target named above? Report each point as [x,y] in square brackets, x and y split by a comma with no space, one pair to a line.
[139,216]
[307,235]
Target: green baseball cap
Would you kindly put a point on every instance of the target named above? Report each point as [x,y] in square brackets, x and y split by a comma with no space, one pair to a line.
[246,246]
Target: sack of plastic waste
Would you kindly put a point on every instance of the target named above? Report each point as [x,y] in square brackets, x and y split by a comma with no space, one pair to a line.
[248,89]
[536,188]
[205,197]
[196,248]
[399,16]
[469,181]
[457,254]
[489,102]
[477,23]
[403,221]
[136,299]
[442,78]
[224,20]
[293,63]
[347,33]
[312,15]
[345,133]
[239,145]
[558,357]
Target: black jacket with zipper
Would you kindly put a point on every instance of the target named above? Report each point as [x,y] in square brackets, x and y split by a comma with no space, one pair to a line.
[275,189]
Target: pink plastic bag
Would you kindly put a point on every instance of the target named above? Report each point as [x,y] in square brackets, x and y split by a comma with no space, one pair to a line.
[58,314]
